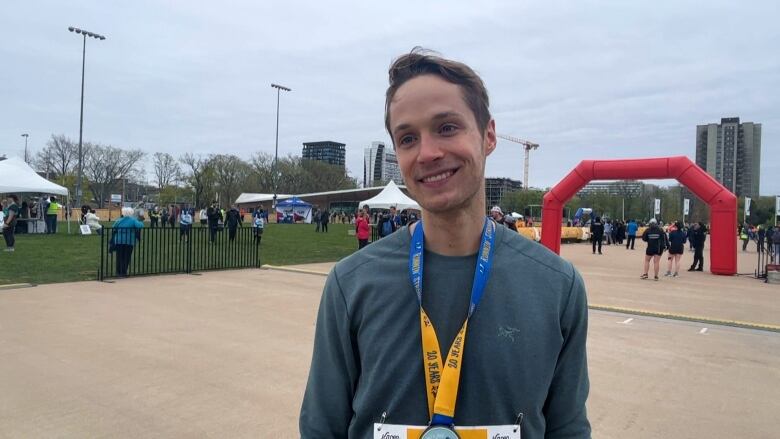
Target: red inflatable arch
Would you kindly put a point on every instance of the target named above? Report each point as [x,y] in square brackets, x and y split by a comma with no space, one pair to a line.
[723,204]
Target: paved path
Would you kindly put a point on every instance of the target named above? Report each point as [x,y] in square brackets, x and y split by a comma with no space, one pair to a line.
[226,354]
[612,280]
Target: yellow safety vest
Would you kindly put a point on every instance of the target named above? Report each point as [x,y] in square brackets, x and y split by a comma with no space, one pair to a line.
[53,209]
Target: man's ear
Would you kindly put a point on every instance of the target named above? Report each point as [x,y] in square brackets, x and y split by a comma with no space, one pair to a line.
[490,137]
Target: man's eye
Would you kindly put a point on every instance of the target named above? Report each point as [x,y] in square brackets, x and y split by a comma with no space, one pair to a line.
[406,140]
[448,129]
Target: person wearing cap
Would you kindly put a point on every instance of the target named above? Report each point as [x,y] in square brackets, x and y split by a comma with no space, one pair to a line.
[655,238]
[497,214]
[454,326]
[510,221]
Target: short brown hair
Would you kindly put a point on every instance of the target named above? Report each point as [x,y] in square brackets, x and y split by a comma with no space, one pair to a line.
[425,62]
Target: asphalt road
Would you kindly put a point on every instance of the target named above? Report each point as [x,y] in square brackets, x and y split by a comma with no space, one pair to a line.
[226,354]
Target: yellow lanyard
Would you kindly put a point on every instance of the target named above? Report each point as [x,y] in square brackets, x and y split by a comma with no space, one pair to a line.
[438,376]
[442,377]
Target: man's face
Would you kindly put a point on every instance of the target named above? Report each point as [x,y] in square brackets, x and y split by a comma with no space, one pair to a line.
[439,147]
[495,215]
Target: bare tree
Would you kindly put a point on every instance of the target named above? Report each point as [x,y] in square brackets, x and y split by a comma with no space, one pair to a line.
[105,166]
[230,175]
[296,176]
[262,172]
[198,174]
[166,170]
[60,156]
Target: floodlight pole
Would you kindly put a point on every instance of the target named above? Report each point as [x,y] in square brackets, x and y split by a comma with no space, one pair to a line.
[84,33]
[278,88]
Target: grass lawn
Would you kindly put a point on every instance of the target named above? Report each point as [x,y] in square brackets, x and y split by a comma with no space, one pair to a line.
[40,259]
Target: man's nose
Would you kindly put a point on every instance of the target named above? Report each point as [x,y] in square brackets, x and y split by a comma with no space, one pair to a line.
[430,149]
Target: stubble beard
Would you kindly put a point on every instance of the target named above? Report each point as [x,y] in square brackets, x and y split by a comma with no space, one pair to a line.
[454,206]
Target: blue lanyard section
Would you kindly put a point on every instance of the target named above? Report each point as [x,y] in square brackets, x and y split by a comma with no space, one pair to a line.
[484,262]
[481,274]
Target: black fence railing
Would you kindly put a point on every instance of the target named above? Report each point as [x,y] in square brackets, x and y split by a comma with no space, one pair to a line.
[765,257]
[138,252]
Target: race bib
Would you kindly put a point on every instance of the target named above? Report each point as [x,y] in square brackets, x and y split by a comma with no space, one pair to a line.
[394,431]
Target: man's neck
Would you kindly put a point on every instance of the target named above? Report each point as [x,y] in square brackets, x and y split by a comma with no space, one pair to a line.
[454,234]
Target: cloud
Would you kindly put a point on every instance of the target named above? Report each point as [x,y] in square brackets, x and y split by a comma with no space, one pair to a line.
[590,79]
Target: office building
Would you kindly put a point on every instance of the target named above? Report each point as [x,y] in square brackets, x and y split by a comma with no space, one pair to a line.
[380,165]
[326,151]
[495,188]
[731,152]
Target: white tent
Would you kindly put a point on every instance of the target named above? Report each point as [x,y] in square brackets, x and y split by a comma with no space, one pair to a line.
[391,195]
[247,197]
[16,176]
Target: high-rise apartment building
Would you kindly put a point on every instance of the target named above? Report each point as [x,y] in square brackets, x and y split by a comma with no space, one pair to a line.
[326,151]
[380,165]
[731,152]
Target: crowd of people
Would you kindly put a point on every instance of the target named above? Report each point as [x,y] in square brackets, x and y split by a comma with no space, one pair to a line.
[387,221]
[658,238]
[19,218]
[766,238]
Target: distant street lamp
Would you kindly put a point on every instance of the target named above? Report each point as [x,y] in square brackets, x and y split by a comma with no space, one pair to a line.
[26,136]
[278,88]
[85,34]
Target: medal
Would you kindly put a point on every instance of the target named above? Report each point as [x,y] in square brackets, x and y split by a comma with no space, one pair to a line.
[439,432]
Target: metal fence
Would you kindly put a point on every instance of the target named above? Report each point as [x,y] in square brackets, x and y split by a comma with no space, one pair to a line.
[765,257]
[139,252]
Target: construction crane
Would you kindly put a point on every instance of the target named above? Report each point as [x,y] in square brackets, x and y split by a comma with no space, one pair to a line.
[528,147]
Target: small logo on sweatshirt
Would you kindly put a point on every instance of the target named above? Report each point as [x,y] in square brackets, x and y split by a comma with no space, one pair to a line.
[508,332]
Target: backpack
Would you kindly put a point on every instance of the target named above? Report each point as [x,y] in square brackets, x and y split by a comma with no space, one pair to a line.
[387,227]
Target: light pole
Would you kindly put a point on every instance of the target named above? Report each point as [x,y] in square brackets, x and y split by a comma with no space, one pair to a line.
[85,34]
[25,135]
[278,88]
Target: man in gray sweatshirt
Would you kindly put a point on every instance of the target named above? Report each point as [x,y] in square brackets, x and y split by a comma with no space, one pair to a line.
[451,324]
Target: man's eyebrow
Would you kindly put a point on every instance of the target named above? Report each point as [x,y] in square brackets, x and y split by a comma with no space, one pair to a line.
[437,116]
[445,115]
[401,127]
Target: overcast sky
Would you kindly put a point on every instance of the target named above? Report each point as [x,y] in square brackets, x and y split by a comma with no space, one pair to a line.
[584,79]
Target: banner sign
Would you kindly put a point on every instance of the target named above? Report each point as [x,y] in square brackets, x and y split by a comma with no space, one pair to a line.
[657,206]
[116,198]
[747,206]
[686,206]
[293,214]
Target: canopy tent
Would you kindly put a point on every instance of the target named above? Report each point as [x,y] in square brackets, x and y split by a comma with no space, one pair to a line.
[246,198]
[293,210]
[17,177]
[391,195]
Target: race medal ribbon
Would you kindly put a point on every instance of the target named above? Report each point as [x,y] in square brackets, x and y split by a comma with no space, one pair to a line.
[442,377]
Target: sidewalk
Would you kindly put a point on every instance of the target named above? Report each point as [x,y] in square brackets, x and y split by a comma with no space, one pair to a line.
[612,280]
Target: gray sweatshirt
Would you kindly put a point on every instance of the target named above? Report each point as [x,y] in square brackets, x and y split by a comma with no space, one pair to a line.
[524,351]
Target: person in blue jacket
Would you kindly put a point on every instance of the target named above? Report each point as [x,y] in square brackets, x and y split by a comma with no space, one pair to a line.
[631,229]
[126,232]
